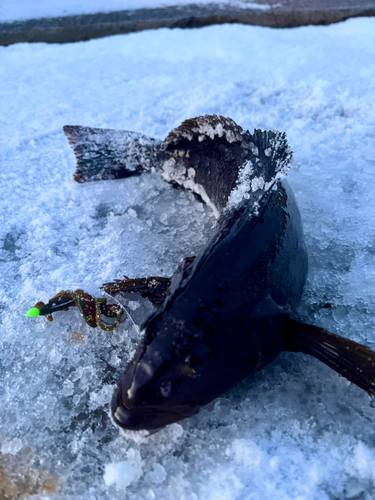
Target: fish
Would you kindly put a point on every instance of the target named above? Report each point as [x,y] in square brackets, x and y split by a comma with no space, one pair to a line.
[229,311]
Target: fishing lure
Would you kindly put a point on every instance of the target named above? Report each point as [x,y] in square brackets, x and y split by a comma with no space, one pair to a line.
[90,307]
[227,312]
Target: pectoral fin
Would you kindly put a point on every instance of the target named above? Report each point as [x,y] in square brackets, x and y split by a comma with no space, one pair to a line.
[154,289]
[350,359]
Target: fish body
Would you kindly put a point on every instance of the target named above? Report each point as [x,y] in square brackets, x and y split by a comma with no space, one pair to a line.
[227,312]
[223,320]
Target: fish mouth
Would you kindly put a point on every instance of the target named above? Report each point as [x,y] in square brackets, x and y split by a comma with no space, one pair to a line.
[150,419]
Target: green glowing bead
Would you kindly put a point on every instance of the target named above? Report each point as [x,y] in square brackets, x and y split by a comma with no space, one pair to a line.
[33,312]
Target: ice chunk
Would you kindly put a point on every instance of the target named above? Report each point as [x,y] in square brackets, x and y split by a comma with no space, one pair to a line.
[122,474]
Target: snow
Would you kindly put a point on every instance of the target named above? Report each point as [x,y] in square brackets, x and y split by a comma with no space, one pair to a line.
[294,431]
[24,9]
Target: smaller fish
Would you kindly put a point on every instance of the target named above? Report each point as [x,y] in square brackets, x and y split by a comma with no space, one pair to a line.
[227,312]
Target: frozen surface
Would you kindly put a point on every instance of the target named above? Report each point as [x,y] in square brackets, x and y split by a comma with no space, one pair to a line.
[12,10]
[296,430]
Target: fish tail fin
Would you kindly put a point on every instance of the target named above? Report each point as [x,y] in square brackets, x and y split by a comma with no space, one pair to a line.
[350,359]
[110,154]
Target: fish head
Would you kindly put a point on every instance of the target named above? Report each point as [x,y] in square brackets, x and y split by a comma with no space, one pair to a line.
[163,382]
[184,364]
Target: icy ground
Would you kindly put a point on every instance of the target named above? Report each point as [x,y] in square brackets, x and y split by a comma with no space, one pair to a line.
[12,10]
[296,430]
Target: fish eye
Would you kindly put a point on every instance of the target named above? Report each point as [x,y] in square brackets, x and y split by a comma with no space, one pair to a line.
[197,360]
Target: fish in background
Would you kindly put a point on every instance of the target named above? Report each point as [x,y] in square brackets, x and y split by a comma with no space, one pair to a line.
[227,312]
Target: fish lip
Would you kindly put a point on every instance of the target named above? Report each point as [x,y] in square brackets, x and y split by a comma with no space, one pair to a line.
[130,419]
[148,418]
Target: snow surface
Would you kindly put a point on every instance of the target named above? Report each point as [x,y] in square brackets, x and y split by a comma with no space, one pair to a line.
[20,10]
[296,430]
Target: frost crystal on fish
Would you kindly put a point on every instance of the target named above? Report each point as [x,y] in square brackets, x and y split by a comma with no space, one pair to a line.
[269,163]
[206,127]
[185,178]
[241,191]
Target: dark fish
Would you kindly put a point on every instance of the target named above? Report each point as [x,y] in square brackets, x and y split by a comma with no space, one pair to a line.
[226,313]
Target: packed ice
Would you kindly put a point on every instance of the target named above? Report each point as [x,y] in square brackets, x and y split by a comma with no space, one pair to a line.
[296,430]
